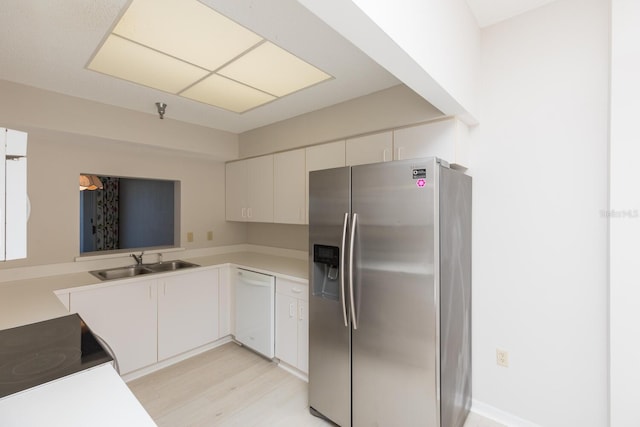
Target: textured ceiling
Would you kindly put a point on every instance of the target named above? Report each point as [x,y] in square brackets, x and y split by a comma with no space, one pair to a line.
[47,44]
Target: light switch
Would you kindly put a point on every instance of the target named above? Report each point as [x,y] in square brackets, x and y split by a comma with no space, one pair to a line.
[190,236]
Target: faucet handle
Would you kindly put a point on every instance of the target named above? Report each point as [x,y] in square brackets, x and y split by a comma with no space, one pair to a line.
[138,258]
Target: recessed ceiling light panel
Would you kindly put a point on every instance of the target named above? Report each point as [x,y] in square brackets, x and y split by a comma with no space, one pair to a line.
[224,93]
[273,70]
[129,61]
[186,29]
[171,45]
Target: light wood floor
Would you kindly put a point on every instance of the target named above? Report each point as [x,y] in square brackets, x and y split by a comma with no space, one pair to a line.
[232,386]
[226,386]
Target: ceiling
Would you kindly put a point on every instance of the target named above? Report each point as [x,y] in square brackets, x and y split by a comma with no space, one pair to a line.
[489,12]
[51,42]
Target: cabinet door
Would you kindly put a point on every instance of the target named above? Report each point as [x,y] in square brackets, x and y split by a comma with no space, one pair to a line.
[303,335]
[187,312]
[224,301]
[324,156]
[13,194]
[289,187]
[125,316]
[369,149]
[260,189]
[286,329]
[236,191]
[446,139]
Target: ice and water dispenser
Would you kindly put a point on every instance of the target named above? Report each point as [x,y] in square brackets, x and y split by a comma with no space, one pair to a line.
[326,268]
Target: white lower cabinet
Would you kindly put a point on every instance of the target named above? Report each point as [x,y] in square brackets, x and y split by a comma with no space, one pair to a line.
[125,316]
[292,323]
[187,312]
[225,301]
[149,320]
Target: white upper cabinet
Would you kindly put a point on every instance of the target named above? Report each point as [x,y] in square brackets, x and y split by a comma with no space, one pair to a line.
[324,156]
[446,139]
[236,191]
[374,148]
[289,187]
[249,190]
[260,189]
[13,194]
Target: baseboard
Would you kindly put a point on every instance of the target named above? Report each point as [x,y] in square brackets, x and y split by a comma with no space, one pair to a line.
[500,416]
[179,358]
[293,371]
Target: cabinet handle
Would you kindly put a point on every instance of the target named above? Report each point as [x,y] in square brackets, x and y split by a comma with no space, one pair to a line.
[400,153]
[300,315]
[296,290]
[384,155]
[244,212]
[292,310]
[249,212]
[150,296]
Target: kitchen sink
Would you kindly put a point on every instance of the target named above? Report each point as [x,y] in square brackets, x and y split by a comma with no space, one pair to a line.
[170,266]
[121,272]
[136,270]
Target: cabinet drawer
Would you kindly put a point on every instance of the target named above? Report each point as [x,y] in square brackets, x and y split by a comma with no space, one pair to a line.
[293,289]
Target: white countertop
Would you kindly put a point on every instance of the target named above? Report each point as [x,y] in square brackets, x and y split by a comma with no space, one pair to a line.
[33,300]
[95,397]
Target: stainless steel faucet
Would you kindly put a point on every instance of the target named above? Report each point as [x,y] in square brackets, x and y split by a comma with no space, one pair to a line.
[138,258]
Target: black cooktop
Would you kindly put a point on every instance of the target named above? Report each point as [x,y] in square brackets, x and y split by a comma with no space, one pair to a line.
[34,354]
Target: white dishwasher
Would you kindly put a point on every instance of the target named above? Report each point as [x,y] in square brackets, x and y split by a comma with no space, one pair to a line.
[255,302]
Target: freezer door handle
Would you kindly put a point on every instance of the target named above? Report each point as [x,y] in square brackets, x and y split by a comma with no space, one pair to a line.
[352,240]
[345,226]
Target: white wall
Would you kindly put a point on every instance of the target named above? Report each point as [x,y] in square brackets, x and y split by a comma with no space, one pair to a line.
[112,141]
[539,163]
[55,159]
[625,214]
[386,109]
[441,36]
[22,106]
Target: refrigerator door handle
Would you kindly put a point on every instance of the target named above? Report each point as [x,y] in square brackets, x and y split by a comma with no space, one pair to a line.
[345,226]
[352,240]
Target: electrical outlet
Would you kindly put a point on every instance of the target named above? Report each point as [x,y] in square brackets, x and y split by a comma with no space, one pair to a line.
[190,236]
[502,358]
[209,235]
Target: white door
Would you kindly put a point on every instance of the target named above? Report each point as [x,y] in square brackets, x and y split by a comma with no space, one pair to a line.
[236,191]
[260,189]
[187,312]
[289,184]
[125,316]
[369,149]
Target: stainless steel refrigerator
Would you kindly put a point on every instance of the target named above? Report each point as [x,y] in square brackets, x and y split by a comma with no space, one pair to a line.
[390,294]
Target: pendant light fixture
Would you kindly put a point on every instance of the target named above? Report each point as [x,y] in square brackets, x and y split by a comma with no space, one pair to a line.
[90,182]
